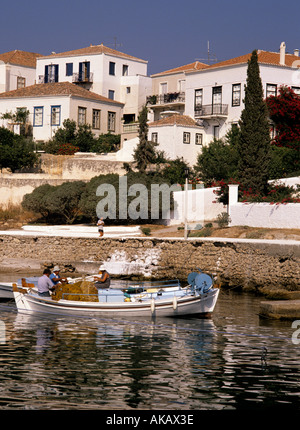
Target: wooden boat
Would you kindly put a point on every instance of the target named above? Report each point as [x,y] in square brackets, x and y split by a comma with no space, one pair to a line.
[167,299]
[6,290]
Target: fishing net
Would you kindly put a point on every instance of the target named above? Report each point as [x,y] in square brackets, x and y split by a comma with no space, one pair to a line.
[84,291]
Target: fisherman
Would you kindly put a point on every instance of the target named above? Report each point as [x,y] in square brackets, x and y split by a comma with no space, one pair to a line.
[102,281]
[45,284]
[55,276]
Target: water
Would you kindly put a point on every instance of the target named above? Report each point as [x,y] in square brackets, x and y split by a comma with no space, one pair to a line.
[233,361]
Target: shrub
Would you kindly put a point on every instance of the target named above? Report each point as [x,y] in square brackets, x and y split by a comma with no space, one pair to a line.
[223,220]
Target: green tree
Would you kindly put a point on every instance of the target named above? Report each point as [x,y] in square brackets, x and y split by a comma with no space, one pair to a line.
[16,152]
[37,200]
[144,153]
[63,201]
[254,142]
[218,161]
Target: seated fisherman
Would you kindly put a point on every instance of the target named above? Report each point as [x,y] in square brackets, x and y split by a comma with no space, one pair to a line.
[55,276]
[102,281]
[45,284]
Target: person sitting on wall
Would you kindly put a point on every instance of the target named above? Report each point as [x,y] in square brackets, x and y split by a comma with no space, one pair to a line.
[45,285]
[102,281]
[55,276]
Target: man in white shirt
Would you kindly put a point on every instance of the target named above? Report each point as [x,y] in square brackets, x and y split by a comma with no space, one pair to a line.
[45,284]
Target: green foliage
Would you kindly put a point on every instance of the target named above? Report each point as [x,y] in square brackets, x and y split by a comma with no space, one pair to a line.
[254,141]
[284,162]
[173,171]
[56,203]
[223,220]
[16,152]
[106,143]
[217,161]
[144,154]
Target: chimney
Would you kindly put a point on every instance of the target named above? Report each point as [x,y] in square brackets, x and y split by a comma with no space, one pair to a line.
[282,54]
[296,52]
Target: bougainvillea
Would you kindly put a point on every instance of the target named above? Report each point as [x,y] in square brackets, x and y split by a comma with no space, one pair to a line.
[284,111]
[67,149]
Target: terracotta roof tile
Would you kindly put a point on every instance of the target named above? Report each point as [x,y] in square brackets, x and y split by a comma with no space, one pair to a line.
[94,49]
[264,57]
[175,119]
[186,68]
[21,58]
[56,89]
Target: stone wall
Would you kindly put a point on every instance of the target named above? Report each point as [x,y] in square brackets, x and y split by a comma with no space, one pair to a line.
[235,263]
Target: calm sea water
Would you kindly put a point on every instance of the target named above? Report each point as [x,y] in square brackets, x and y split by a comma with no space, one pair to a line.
[233,361]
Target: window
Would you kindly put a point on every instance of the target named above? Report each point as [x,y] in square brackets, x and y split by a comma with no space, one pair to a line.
[111,94]
[112,68]
[236,94]
[163,88]
[81,115]
[125,70]
[216,132]
[181,85]
[186,137]
[198,99]
[271,90]
[296,90]
[154,137]
[38,116]
[21,82]
[51,73]
[96,119]
[111,126]
[128,90]
[69,69]
[198,138]
[84,71]
[55,115]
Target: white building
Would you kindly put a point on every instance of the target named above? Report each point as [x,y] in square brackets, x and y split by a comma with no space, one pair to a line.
[105,71]
[17,69]
[50,104]
[214,98]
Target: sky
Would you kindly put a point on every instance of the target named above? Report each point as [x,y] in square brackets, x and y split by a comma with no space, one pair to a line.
[166,33]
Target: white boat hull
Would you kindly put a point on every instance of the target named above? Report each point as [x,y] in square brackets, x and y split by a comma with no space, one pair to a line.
[6,290]
[202,305]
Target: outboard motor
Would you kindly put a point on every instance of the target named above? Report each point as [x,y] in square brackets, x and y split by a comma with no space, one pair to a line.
[200,282]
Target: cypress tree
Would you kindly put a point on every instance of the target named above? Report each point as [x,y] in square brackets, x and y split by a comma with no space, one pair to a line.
[144,153]
[254,141]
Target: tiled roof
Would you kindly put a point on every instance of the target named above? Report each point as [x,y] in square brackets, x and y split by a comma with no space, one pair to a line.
[175,119]
[264,57]
[21,58]
[56,89]
[94,49]
[186,68]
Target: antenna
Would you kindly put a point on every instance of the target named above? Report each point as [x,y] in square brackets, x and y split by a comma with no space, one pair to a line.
[209,55]
[115,44]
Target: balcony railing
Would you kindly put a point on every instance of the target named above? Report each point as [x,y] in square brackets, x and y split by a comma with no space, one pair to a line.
[132,127]
[168,98]
[211,111]
[82,78]
[44,79]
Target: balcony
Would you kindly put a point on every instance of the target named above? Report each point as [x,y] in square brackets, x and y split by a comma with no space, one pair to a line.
[45,79]
[211,111]
[166,99]
[82,78]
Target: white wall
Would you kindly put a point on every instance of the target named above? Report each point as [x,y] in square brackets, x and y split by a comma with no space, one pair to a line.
[264,215]
[9,74]
[170,140]
[201,204]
